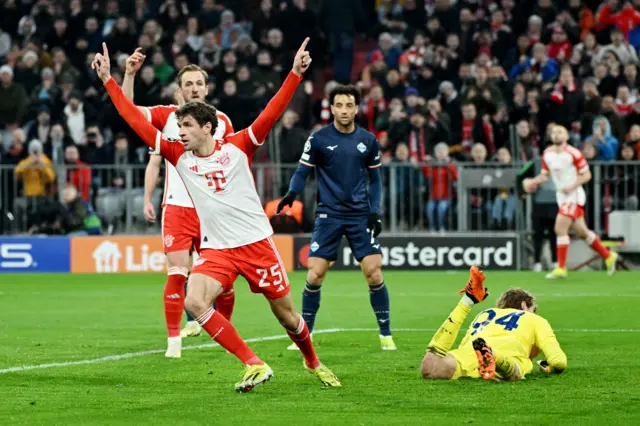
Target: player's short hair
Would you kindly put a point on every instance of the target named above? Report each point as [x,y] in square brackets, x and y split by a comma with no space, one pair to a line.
[189,68]
[345,89]
[201,112]
[513,298]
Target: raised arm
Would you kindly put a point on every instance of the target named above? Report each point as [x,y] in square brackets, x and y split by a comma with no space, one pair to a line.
[132,115]
[134,62]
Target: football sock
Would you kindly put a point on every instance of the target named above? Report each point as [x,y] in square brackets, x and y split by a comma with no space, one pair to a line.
[442,341]
[174,299]
[302,338]
[310,304]
[595,243]
[505,366]
[189,317]
[224,304]
[379,298]
[562,249]
[226,335]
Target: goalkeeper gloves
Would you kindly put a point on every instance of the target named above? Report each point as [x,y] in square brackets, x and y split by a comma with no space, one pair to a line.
[374,224]
[287,200]
[544,366]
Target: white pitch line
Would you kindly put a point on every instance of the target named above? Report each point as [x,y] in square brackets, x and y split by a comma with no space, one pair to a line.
[266,339]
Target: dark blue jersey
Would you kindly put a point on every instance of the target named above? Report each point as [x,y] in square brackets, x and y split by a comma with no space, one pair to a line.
[342,162]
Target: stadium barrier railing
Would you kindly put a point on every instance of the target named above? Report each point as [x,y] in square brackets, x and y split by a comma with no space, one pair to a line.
[428,213]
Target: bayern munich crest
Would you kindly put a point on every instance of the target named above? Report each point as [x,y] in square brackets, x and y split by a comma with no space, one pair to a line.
[223,159]
[168,240]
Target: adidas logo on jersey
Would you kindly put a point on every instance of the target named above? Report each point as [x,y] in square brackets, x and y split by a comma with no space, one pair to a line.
[173,296]
[193,168]
[281,288]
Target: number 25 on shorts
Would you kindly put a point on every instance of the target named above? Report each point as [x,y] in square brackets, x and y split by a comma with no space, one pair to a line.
[274,274]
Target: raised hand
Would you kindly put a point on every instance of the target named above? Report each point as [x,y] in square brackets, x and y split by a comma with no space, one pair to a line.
[102,65]
[302,60]
[134,62]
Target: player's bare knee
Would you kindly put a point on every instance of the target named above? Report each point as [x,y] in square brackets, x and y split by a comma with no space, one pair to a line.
[373,276]
[317,271]
[195,305]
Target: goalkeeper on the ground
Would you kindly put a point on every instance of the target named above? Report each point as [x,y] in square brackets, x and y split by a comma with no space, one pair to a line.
[500,343]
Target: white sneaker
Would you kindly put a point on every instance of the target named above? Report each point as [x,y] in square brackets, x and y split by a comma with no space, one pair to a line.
[537,267]
[192,329]
[294,347]
[174,347]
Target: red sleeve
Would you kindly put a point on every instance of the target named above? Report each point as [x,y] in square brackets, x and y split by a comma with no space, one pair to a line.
[545,167]
[488,133]
[228,127]
[454,172]
[580,162]
[251,138]
[85,183]
[158,115]
[171,150]
[603,17]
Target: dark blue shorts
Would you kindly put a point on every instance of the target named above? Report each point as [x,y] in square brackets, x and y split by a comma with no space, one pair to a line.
[327,236]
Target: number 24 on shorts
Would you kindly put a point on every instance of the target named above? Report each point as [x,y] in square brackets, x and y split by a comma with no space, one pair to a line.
[274,272]
[509,321]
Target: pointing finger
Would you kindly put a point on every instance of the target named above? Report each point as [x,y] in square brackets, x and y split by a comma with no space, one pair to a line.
[105,51]
[304,45]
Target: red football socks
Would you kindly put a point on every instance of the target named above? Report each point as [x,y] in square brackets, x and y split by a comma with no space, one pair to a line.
[174,300]
[595,243]
[302,338]
[221,330]
[224,304]
[562,247]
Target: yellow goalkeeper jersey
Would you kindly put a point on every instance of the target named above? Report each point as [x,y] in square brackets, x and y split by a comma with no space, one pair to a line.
[517,333]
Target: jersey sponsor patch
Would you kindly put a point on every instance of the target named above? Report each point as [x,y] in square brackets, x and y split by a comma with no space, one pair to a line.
[305,157]
[361,147]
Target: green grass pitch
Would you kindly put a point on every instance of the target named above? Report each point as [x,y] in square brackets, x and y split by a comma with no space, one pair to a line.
[63,319]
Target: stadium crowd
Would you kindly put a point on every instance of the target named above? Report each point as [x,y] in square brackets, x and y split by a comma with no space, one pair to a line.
[444,82]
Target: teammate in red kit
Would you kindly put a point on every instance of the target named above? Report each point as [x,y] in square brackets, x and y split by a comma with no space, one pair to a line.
[569,171]
[180,223]
[235,232]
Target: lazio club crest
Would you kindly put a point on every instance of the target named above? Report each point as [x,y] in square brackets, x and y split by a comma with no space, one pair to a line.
[361,147]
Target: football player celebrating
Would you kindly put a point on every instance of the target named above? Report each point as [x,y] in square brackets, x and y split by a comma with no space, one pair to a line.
[180,223]
[235,232]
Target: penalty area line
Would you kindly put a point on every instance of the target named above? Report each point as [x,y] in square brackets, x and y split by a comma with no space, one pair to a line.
[120,357]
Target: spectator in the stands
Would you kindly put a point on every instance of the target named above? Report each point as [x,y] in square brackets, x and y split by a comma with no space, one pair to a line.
[504,203]
[74,117]
[35,172]
[13,101]
[442,175]
[606,144]
[473,130]
[544,68]
[78,173]
[622,49]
